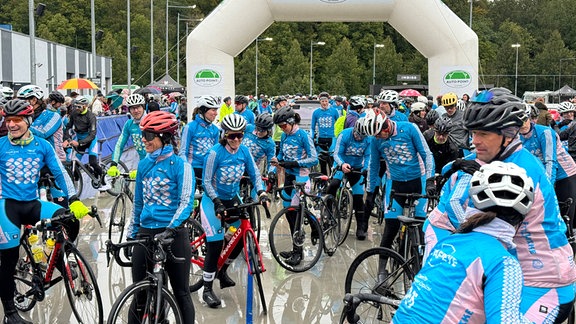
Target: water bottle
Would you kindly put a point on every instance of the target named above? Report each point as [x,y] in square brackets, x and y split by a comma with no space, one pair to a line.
[49,247]
[229,233]
[37,250]
[43,194]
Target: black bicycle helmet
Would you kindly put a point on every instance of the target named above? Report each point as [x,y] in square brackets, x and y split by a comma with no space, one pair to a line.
[494,110]
[264,121]
[431,117]
[443,125]
[278,100]
[285,115]
[241,99]
[56,96]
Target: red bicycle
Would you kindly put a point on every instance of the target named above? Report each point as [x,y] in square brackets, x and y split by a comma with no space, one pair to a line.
[245,235]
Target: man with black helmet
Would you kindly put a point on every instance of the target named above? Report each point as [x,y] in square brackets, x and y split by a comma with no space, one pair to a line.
[441,145]
[494,118]
[240,106]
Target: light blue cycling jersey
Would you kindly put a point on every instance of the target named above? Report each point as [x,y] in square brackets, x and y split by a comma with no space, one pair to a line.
[298,146]
[132,130]
[260,148]
[48,125]
[397,116]
[198,136]
[248,115]
[324,119]
[468,278]
[349,150]
[402,152]
[21,169]
[163,197]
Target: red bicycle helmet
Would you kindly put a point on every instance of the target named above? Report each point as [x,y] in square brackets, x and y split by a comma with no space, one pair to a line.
[17,107]
[159,122]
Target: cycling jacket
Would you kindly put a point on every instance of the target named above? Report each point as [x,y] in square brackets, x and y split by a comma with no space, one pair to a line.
[223,171]
[132,130]
[198,136]
[298,146]
[397,116]
[48,125]
[402,152]
[349,150]
[248,114]
[21,165]
[163,194]
[260,148]
[325,120]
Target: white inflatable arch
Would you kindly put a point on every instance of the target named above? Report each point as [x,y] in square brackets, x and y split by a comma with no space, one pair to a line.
[429,25]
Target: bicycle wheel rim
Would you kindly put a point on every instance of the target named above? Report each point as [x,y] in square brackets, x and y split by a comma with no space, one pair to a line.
[255,220]
[256,269]
[116,183]
[82,290]
[330,224]
[345,207]
[198,255]
[118,219]
[123,312]
[23,281]
[282,239]
[76,176]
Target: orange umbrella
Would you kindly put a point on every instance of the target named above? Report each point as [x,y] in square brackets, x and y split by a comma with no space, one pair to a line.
[77,83]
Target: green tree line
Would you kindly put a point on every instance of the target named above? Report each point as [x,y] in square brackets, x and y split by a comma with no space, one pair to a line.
[343,65]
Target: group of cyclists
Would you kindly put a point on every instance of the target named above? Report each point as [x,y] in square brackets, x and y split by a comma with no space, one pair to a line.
[505,175]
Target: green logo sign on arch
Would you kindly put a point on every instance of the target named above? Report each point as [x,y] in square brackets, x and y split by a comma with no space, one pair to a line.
[207,78]
[457,79]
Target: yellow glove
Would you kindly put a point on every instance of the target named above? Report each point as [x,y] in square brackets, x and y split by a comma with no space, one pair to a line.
[132,174]
[113,171]
[79,209]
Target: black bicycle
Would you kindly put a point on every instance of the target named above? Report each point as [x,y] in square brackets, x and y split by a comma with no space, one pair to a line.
[121,209]
[381,308]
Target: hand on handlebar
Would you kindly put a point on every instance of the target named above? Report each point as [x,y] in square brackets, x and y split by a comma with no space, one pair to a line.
[263,198]
[346,168]
[79,209]
[167,234]
[219,208]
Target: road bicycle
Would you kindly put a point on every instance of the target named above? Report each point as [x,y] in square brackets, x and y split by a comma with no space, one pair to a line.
[353,311]
[246,197]
[564,208]
[121,209]
[344,199]
[252,255]
[156,304]
[297,229]
[75,169]
[34,277]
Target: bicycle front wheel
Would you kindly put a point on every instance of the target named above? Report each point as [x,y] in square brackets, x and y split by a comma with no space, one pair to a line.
[287,239]
[198,244]
[330,224]
[255,220]
[345,208]
[256,268]
[24,282]
[137,304]
[121,207]
[116,183]
[81,287]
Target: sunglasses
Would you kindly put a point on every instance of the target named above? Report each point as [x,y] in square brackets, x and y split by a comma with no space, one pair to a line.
[149,136]
[282,125]
[482,97]
[14,119]
[234,136]
[237,103]
[261,130]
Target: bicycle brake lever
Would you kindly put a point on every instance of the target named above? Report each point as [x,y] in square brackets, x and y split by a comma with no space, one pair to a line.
[94,214]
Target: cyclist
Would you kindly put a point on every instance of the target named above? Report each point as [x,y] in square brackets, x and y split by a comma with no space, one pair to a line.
[324,118]
[199,135]
[352,151]
[566,110]
[225,109]
[297,155]
[23,156]
[83,122]
[431,117]
[225,164]
[494,118]
[257,139]
[417,116]
[7,93]
[355,109]
[458,133]
[441,145]
[240,105]
[388,103]
[471,276]
[403,147]
[278,103]
[136,103]
[264,107]
[162,202]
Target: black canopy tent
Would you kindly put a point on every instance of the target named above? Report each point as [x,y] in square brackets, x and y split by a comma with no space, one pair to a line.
[167,85]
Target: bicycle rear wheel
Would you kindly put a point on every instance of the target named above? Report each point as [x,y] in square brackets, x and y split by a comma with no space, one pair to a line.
[121,207]
[137,304]
[81,287]
[24,282]
[345,208]
[115,183]
[330,224]
[198,244]
[255,268]
[307,239]
[76,176]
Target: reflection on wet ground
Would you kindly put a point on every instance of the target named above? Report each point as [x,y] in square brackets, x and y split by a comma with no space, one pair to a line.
[314,296]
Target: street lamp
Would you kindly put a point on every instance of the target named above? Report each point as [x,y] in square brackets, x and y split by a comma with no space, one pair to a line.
[517,46]
[151,41]
[560,73]
[267,39]
[470,23]
[169,6]
[312,43]
[32,26]
[128,49]
[374,62]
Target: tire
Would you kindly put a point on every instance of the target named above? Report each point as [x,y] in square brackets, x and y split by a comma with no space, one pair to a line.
[345,207]
[256,268]
[76,177]
[121,209]
[330,224]
[198,244]
[281,239]
[117,182]
[255,220]
[121,309]
[82,287]
[24,282]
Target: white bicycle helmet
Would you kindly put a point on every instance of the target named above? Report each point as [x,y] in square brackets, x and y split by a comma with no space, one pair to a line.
[389,96]
[210,102]
[233,123]
[81,101]
[461,105]
[30,91]
[418,106]
[565,107]
[504,185]
[7,93]
[135,99]
[359,127]
[373,122]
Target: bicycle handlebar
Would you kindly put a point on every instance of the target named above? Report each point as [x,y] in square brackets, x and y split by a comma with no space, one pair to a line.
[46,222]
[159,244]
[410,197]
[244,206]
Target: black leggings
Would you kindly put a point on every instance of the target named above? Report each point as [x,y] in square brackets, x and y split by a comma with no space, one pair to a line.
[566,188]
[325,144]
[178,273]
[392,225]
[564,312]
